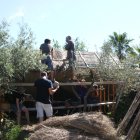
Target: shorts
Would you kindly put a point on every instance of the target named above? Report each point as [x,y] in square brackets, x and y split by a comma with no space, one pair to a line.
[14,107]
[48,62]
[41,107]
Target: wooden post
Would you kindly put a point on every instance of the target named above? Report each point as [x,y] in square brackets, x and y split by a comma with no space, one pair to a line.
[108,94]
[100,93]
[113,92]
[113,95]
[104,100]
[119,93]
[129,114]
[134,128]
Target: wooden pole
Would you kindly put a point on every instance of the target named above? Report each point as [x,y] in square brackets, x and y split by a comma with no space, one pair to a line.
[129,114]
[134,128]
[100,93]
[104,101]
[113,92]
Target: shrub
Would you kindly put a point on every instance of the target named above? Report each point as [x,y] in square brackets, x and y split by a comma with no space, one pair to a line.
[13,133]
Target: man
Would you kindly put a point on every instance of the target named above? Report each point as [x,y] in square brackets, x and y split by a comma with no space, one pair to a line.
[70,51]
[80,90]
[17,105]
[47,52]
[44,89]
[92,96]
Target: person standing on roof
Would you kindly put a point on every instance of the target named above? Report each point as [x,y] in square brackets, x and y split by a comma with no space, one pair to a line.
[70,51]
[47,52]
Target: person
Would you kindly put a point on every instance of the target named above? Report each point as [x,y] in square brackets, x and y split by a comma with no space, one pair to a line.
[70,51]
[92,96]
[44,89]
[47,52]
[18,106]
[80,90]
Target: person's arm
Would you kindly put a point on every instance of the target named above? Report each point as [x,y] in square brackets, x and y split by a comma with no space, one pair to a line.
[52,52]
[17,104]
[52,91]
[67,46]
[55,84]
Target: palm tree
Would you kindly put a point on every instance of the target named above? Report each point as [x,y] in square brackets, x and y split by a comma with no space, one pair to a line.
[121,44]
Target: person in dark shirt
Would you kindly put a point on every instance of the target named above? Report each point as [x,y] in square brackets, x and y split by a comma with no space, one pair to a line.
[70,51]
[92,96]
[47,52]
[44,89]
[17,105]
[80,90]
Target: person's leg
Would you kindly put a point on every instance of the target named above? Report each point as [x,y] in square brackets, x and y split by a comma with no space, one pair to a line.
[48,110]
[39,109]
[18,113]
[49,63]
[24,109]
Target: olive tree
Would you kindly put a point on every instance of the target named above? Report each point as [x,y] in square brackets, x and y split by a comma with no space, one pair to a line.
[17,57]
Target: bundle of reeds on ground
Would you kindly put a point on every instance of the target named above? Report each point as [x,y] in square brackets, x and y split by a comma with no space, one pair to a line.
[79,126]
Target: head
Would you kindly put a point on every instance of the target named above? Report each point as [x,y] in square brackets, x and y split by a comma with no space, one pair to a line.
[47,41]
[95,86]
[43,74]
[68,38]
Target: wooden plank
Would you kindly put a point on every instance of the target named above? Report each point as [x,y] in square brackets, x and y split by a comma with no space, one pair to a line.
[113,90]
[129,114]
[104,100]
[70,107]
[108,94]
[134,128]
[83,59]
[79,106]
[69,83]
[100,93]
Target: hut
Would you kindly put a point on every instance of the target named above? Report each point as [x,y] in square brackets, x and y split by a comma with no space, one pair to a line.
[86,68]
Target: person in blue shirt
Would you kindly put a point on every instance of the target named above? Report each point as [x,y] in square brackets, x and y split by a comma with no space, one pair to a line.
[44,89]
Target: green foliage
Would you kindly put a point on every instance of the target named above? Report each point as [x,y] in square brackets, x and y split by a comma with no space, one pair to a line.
[8,131]
[123,106]
[6,70]
[120,44]
[17,57]
[4,34]
[106,48]
[79,46]
[13,133]
[56,44]
[110,68]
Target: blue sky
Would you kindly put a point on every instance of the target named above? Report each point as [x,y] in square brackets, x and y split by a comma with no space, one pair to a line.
[90,20]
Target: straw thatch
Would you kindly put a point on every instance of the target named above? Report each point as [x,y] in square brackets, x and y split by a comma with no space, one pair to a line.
[79,126]
[92,59]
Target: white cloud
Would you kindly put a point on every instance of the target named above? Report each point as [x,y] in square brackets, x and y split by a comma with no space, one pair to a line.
[19,13]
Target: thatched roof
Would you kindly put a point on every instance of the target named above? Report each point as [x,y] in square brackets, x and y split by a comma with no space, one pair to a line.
[91,58]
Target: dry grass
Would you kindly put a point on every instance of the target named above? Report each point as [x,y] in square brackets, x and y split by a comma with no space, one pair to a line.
[79,126]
